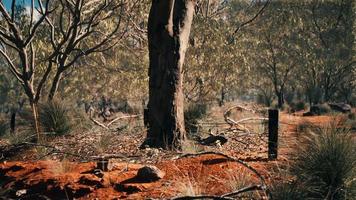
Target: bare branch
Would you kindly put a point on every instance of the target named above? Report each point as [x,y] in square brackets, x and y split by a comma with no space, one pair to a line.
[252,19]
[12,66]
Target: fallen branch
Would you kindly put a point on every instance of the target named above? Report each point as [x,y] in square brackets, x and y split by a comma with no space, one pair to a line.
[242,190]
[232,123]
[99,124]
[202,197]
[252,119]
[111,156]
[239,108]
[106,126]
[122,117]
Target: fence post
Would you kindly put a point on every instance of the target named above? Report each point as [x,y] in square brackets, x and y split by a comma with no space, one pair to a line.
[272,133]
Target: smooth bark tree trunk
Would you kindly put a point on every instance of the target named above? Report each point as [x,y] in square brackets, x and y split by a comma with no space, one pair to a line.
[34,108]
[55,85]
[169,26]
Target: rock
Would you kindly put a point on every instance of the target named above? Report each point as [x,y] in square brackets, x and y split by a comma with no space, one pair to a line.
[340,107]
[98,173]
[21,192]
[150,173]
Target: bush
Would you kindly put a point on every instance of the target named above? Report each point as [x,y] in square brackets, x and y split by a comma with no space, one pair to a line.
[327,164]
[192,114]
[320,109]
[288,191]
[306,126]
[324,108]
[264,100]
[298,106]
[286,108]
[54,118]
[3,127]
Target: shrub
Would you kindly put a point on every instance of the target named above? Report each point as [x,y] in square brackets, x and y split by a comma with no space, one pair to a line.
[288,191]
[27,135]
[324,108]
[298,106]
[305,127]
[327,164]
[192,114]
[264,100]
[54,118]
[286,108]
[188,186]
[3,127]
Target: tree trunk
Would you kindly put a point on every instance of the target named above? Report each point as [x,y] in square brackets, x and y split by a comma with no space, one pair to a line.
[54,86]
[280,97]
[169,26]
[34,108]
[222,98]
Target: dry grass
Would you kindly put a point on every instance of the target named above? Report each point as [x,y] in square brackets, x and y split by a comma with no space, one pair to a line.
[190,147]
[104,142]
[237,180]
[188,186]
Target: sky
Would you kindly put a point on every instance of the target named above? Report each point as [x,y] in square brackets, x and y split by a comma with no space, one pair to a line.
[26,3]
[8,2]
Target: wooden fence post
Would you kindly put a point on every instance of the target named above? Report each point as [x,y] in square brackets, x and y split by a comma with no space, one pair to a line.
[272,133]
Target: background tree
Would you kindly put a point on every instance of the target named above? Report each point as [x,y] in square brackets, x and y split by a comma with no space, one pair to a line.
[71,25]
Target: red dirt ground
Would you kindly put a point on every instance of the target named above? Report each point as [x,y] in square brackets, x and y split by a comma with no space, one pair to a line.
[208,173]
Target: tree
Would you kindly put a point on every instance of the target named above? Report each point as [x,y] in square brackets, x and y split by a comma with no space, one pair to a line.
[75,29]
[169,26]
[275,53]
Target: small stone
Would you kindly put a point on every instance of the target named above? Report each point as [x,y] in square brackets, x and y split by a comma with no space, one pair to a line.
[21,192]
[150,173]
[98,173]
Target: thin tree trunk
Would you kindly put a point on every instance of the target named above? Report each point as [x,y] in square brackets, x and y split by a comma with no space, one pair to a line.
[280,97]
[55,85]
[34,108]
[222,98]
[169,26]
